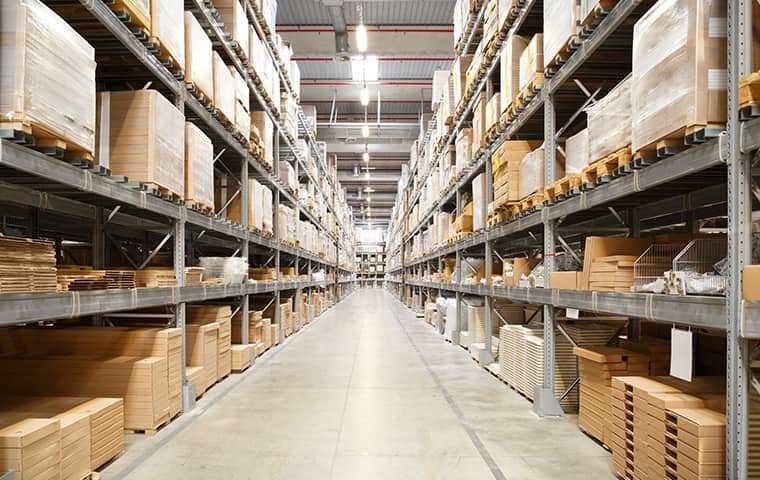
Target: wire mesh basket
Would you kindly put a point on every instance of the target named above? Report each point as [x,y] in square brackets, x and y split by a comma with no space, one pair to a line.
[694,268]
[649,269]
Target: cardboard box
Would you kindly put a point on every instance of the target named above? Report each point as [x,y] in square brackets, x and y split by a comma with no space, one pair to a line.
[560,25]
[463,224]
[564,280]
[679,75]
[751,282]
[199,68]
[232,14]
[167,24]
[199,167]
[608,246]
[532,60]
[39,85]
[510,69]
[142,136]
[514,268]
[224,89]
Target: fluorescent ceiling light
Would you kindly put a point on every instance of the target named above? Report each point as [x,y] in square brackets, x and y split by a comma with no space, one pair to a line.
[365,131]
[361,38]
[366,175]
[365,69]
[364,96]
[365,157]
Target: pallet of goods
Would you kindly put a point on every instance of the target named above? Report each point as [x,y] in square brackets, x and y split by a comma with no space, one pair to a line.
[167,32]
[142,137]
[199,74]
[222,315]
[510,71]
[27,265]
[199,169]
[60,114]
[75,277]
[232,15]
[242,118]
[240,357]
[693,107]
[202,344]
[561,30]
[224,91]
[155,277]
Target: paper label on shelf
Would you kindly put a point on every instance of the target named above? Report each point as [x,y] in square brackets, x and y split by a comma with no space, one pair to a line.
[572,313]
[681,354]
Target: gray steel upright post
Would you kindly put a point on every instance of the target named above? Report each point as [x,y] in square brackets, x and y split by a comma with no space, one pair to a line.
[188,389]
[276,226]
[245,253]
[739,244]
[546,403]
[486,357]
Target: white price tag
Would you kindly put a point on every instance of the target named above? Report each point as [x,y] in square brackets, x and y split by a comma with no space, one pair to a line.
[681,354]
[573,313]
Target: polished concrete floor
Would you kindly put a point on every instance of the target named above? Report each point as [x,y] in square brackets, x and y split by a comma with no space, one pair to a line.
[367,392]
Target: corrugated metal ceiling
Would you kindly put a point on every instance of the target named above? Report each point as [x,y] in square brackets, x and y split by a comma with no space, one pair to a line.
[409,12]
[388,70]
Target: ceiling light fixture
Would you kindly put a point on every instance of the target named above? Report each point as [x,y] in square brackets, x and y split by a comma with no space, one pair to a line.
[367,176]
[361,38]
[365,131]
[365,156]
[364,96]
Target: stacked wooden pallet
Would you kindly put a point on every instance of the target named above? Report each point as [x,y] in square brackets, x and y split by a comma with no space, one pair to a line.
[155,277]
[26,265]
[22,443]
[613,273]
[222,315]
[597,365]
[240,357]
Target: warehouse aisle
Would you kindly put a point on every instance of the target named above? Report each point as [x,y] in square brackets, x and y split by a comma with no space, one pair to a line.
[367,392]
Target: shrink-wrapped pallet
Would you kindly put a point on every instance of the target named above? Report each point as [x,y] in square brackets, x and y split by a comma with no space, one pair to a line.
[263,124]
[48,75]
[609,122]
[242,102]
[532,172]
[679,69]
[295,78]
[560,26]
[198,57]
[142,136]
[440,84]
[491,20]
[478,123]
[532,60]
[493,111]
[463,149]
[266,209]
[254,206]
[288,175]
[167,29]
[479,204]
[510,69]
[232,14]
[459,72]
[576,152]
[199,167]
[224,89]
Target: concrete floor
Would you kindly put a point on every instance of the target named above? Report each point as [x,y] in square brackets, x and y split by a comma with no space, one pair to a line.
[369,391]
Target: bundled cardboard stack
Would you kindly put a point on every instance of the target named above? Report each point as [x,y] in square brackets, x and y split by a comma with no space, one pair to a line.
[612,274]
[222,315]
[202,341]
[506,170]
[27,265]
[32,448]
[696,443]
[597,365]
[74,277]
[240,357]
[155,277]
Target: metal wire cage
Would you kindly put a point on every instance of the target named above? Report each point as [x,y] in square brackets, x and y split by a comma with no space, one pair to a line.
[695,267]
[649,269]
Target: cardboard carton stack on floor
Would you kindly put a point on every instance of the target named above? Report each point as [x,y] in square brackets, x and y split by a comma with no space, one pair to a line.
[597,365]
[204,314]
[202,344]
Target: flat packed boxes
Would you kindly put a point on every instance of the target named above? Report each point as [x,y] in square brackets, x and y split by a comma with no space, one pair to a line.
[27,265]
[613,273]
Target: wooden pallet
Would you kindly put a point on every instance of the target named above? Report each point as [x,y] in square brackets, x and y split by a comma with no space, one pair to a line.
[491,133]
[749,96]
[200,206]
[43,140]
[164,192]
[203,97]
[675,142]
[597,14]
[149,432]
[562,187]
[604,168]
[496,219]
[532,201]
[565,52]
[530,90]
[160,52]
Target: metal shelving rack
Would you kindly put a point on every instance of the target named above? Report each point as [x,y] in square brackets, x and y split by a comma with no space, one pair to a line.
[89,195]
[704,181]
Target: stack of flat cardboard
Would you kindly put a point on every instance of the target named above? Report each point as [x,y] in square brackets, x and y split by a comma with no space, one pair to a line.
[193,276]
[123,376]
[696,443]
[155,277]
[32,449]
[74,277]
[240,357]
[254,318]
[506,170]
[597,365]
[202,341]
[203,314]
[612,274]
[26,265]
[106,428]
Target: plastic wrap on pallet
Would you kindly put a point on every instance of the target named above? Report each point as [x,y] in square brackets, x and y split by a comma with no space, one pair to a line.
[267,216]
[679,69]
[478,123]
[288,174]
[532,59]
[145,138]
[48,73]
[532,172]
[479,203]
[440,83]
[199,166]
[167,24]
[576,152]
[264,125]
[609,122]
[560,25]
[242,102]
[269,10]
[493,111]
[459,71]
[232,14]
[198,56]
[295,77]
[443,221]
[491,20]
[259,57]
[463,148]
[510,68]
[224,88]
